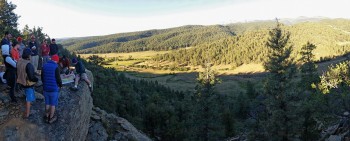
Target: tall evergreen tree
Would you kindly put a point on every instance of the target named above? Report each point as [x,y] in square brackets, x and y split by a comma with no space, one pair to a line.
[207,116]
[309,67]
[309,108]
[26,33]
[8,19]
[278,85]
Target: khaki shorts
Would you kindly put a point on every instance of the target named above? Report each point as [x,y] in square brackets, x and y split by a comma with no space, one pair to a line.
[82,76]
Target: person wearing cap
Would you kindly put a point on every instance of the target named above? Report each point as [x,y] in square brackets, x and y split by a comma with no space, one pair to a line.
[35,56]
[21,46]
[53,47]
[45,50]
[10,65]
[26,78]
[52,82]
[81,74]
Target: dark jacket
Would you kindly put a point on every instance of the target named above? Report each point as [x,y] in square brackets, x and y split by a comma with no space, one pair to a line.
[30,73]
[79,68]
[11,70]
[4,41]
[53,49]
[35,51]
[50,77]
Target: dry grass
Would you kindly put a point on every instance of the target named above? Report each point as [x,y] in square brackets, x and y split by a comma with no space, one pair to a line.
[177,80]
[186,80]
[134,55]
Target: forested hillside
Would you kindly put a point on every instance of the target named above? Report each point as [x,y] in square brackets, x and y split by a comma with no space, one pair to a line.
[291,104]
[233,44]
[250,46]
[195,35]
[149,40]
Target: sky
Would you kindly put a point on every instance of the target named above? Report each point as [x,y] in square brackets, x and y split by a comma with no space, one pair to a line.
[79,18]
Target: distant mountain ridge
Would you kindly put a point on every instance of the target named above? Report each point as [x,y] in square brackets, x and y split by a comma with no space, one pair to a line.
[184,36]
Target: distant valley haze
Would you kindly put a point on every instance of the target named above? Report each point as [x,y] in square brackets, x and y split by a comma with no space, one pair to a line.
[81,18]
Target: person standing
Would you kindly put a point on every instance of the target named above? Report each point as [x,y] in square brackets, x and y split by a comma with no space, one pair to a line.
[64,65]
[26,78]
[81,74]
[45,50]
[14,52]
[10,65]
[52,82]
[35,56]
[53,47]
[21,46]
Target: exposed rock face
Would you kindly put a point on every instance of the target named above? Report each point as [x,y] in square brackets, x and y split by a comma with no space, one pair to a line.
[338,132]
[119,129]
[73,111]
[77,120]
[97,132]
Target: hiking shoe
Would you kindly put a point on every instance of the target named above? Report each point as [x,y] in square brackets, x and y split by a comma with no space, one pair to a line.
[53,119]
[73,88]
[45,118]
[14,101]
[24,116]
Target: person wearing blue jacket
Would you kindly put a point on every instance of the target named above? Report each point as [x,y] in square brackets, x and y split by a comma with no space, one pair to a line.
[52,83]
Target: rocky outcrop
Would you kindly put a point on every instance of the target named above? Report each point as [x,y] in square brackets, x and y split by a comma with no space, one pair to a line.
[73,113]
[114,128]
[340,131]
[77,120]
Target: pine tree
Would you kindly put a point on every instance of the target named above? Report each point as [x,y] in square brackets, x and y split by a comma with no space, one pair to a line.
[8,19]
[309,68]
[207,115]
[309,103]
[278,86]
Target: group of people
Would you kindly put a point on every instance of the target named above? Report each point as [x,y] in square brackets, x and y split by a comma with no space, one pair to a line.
[21,63]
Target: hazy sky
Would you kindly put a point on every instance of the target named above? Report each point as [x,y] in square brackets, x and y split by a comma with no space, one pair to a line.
[75,18]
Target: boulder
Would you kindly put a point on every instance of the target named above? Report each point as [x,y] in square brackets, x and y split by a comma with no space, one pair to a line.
[334,138]
[118,128]
[97,132]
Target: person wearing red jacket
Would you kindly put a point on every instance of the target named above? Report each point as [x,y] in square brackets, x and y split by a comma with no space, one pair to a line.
[64,65]
[45,50]
[15,52]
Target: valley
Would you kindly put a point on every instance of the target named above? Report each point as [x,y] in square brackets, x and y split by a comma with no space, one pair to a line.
[241,73]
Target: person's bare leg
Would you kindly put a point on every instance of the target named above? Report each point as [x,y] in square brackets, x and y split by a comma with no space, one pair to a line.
[52,111]
[87,82]
[47,110]
[27,109]
[77,78]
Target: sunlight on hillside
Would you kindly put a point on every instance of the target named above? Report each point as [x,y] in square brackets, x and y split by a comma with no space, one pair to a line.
[134,55]
[246,68]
